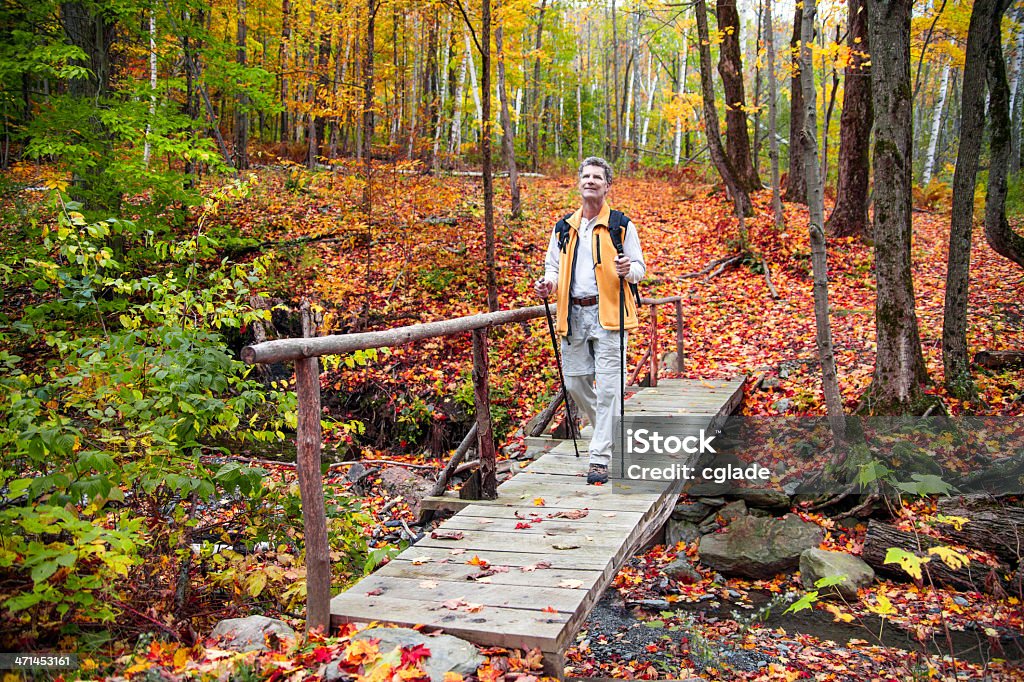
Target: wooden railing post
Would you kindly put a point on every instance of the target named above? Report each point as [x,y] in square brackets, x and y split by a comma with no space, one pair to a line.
[484,434]
[654,344]
[679,336]
[311,488]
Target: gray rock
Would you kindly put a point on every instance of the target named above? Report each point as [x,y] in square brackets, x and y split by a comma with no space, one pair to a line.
[413,488]
[759,547]
[652,604]
[782,405]
[816,564]
[250,634]
[668,361]
[764,513]
[762,498]
[333,673]
[680,531]
[681,570]
[712,501]
[696,512]
[769,383]
[447,653]
[733,511]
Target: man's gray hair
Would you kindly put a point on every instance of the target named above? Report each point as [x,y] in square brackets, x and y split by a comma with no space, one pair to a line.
[597,161]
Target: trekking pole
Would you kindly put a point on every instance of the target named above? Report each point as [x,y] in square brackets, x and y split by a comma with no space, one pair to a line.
[565,391]
[622,367]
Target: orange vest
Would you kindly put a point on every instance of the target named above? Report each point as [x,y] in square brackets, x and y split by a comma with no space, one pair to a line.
[607,280]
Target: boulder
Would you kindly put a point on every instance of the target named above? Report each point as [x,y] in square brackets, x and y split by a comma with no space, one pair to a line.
[694,513]
[412,488]
[757,547]
[816,564]
[680,531]
[682,571]
[252,633]
[733,511]
[762,498]
[447,653]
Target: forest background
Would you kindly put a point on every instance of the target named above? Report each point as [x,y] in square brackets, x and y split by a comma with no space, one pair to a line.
[179,176]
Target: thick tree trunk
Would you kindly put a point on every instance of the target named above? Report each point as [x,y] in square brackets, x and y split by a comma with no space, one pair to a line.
[899,365]
[1000,236]
[718,155]
[984,25]
[773,128]
[730,66]
[933,142]
[819,262]
[507,142]
[485,145]
[796,186]
[850,215]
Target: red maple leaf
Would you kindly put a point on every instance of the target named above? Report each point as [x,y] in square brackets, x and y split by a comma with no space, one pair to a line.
[322,654]
[413,655]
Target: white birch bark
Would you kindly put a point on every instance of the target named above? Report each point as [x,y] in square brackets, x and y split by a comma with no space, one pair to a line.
[152,84]
[455,139]
[929,161]
[677,143]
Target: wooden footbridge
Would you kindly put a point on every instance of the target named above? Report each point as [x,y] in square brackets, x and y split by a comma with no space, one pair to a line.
[524,570]
[524,567]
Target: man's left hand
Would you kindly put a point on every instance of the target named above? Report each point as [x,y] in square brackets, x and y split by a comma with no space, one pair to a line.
[622,266]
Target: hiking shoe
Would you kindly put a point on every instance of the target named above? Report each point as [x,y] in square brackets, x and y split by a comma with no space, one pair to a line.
[598,474]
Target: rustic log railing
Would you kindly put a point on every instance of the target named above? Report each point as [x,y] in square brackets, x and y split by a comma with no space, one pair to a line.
[305,353]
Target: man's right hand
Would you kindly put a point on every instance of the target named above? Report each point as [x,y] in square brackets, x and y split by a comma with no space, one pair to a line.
[543,288]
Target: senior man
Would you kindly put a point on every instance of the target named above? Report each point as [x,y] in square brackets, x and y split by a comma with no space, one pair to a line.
[590,252]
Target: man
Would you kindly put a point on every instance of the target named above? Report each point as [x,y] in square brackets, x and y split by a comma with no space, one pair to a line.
[584,270]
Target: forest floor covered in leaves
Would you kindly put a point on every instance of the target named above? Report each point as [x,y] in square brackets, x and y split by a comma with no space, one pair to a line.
[422,259]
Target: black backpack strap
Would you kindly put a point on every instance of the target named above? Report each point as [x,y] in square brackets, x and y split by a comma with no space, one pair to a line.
[562,230]
[617,222]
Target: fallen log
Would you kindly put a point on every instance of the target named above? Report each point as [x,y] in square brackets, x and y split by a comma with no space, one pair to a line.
[992,526]
[974,576]
[999,359]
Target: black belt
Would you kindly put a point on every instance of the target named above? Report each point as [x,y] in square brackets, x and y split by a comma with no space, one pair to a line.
[589,300]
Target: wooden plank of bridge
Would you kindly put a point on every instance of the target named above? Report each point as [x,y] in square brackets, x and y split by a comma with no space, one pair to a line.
[519,571]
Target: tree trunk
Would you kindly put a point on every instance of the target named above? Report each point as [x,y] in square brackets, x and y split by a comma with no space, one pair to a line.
[535,98]
[617,101]
[755,152]
[1000,236]
[730,66]
[507,142]
[984,25]
[819,262]
[286,37]
[677,141]
[849,217]
[796,185]
[933,143]
[773,137]
[882,536]
[242,105]
[152,85]
[718,155]
[485,145]
[1015,100]
[899,373]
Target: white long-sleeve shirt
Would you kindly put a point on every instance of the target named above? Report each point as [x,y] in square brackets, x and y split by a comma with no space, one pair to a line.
[584,281]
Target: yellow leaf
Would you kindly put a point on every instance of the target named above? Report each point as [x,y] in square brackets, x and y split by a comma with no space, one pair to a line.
[885,607]
[538,501]
[838,615]
[950,557]
[452,676]
[180,658]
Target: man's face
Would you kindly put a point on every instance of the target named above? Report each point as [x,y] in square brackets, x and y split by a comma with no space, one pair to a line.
[593,185]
